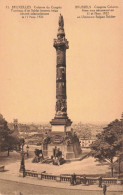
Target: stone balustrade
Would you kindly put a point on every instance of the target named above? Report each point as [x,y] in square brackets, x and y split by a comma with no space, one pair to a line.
[67,178]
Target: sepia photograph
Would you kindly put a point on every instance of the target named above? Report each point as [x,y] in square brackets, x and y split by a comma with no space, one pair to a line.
[61,110]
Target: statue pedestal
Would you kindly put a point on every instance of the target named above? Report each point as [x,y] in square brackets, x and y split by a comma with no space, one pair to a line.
[58,128]
[65,142]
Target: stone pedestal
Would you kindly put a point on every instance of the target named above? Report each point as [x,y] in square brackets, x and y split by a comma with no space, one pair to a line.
[66,142]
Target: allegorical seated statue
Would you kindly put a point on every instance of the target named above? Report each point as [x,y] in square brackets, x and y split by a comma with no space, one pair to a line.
[38,156]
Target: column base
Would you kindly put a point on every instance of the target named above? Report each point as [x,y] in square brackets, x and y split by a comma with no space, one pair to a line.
[61,120]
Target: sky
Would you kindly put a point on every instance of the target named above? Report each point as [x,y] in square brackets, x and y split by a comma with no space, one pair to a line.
[28,63]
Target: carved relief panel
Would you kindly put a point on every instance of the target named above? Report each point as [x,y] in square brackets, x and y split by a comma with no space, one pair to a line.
[61,105]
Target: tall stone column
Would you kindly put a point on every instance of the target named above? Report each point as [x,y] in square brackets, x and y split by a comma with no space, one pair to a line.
[61,138]
[61,44]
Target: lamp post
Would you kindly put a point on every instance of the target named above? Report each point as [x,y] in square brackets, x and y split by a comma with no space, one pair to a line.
[22,165]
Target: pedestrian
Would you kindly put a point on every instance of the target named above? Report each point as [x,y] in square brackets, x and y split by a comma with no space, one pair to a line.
[104,189]
[81,179]
[84,180]
[74,178]
[71,180]
[100,182]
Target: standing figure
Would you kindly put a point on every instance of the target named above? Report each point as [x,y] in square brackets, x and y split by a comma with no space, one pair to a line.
[71,180]
[74,178]
[104,189]
[100,182]
[61,21]
[84,180]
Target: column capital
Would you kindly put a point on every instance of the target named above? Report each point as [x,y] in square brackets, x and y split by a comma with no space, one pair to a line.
[61,42]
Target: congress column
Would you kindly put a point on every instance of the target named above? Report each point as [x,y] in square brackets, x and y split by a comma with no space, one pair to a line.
[61,122]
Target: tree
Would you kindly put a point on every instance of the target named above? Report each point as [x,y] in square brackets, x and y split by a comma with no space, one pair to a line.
[108,143]
[7,141]
[4,131]
[11,143]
